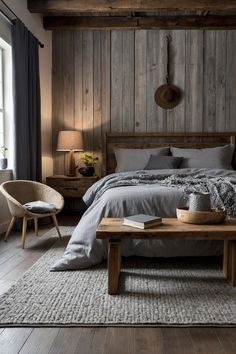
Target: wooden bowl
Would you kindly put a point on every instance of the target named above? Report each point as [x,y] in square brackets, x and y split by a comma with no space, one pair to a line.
[215,216]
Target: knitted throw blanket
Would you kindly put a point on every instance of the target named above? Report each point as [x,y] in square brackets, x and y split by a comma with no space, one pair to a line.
[223,190]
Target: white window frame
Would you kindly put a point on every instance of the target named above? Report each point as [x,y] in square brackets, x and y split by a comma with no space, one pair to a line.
[8,125]
[2,110]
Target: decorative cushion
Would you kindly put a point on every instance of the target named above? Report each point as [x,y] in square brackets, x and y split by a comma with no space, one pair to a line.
[136,159]
[40,207]
[218,157]
[163,162]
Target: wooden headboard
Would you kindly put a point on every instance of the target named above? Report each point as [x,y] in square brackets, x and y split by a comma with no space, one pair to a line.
[154,140]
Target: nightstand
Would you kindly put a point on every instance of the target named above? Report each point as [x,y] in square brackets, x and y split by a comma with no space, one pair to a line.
[72,188]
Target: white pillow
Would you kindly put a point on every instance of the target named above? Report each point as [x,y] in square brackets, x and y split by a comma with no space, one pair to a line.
[218,157]
[136,159]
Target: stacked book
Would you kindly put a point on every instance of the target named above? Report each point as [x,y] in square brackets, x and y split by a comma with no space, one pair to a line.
[142,221]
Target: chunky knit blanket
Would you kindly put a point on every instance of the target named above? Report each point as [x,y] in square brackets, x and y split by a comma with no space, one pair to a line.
[222,189]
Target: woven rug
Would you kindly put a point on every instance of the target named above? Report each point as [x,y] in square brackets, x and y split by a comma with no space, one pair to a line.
[153,292]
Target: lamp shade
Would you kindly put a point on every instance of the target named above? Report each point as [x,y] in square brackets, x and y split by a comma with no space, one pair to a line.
[70,140]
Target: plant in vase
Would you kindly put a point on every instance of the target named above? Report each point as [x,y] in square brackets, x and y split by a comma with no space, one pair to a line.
[3,161]
[90,161]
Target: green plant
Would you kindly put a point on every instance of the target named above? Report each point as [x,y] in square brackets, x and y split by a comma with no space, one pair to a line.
[3,151]
[89,160]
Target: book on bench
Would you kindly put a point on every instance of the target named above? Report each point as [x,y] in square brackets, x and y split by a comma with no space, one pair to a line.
[142,221]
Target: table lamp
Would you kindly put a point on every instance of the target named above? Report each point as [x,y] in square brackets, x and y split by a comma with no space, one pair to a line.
[70,140]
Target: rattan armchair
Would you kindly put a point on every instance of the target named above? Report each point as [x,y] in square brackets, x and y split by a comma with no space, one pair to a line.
[17,193]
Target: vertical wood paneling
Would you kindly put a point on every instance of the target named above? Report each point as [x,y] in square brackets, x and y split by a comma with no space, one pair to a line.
[128,81]
[57,99]
[78,86]
[140,81]
[116,80]
[193,94]
[209,94]
[162,60]
[87,49]
[153,79]
[69,92]
[231,81]
[69,79]
[106,88]
[78,82]
[105,81]
[220,79]
[106,77]
[97,100]
[176,116]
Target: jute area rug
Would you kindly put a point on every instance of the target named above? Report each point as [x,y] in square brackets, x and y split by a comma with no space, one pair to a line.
[153,292]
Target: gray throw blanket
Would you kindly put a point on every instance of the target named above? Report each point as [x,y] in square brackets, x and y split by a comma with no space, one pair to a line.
[223,190]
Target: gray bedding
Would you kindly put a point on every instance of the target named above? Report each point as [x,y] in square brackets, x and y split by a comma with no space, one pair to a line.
[147,192]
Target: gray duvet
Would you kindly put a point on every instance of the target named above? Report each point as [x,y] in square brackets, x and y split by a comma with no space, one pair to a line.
[147,192]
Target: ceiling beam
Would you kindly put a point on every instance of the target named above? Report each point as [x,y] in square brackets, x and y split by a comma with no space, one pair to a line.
[73,6]
[157,22]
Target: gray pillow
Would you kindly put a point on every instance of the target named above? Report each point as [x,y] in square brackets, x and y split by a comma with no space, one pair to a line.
[136,159]
[218,157]
[40,207]
[163,162]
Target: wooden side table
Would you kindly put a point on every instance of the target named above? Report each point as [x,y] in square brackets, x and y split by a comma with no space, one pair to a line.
[71,187]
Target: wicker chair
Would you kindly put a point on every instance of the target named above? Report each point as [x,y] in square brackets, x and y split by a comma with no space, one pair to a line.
[20,192]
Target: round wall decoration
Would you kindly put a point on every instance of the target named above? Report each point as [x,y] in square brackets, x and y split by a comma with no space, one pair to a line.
[168,96]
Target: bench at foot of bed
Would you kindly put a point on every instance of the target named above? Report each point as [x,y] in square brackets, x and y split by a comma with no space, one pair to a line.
[114,231]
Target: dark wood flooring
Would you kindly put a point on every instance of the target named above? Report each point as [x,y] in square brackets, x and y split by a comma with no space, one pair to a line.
[14,262]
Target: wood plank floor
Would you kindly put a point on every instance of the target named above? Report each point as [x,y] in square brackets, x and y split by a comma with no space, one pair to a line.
[14,262]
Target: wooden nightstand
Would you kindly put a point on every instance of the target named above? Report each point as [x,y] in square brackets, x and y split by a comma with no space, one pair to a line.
[72,188]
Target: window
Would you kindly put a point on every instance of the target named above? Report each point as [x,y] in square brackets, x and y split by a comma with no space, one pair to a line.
[6,101]
[2,140]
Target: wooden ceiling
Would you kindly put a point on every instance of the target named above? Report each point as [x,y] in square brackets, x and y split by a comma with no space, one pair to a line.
[139,14]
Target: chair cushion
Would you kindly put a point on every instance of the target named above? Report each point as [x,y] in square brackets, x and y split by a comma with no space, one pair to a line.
[40,207]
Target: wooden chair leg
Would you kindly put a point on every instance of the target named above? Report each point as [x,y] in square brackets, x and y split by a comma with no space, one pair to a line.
[56,225]
[36,228]
[10,228]
[24,228]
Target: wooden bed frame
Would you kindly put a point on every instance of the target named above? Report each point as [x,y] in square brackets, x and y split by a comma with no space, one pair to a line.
[153,140]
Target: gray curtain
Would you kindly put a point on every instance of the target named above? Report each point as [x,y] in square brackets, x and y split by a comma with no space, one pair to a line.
[25,55]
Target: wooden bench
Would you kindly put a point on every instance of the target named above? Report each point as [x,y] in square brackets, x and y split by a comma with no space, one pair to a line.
[114,231]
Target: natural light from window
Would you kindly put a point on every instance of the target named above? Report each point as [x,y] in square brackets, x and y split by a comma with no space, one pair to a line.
[1,100]
[6,100]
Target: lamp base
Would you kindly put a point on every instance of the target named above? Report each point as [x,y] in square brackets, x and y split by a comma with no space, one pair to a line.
[71,165]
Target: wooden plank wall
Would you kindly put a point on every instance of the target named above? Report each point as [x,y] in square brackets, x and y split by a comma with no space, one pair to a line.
[105,81]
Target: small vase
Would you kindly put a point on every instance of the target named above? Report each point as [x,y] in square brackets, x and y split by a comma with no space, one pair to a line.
[87,171]
[200,201]
[3,164]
